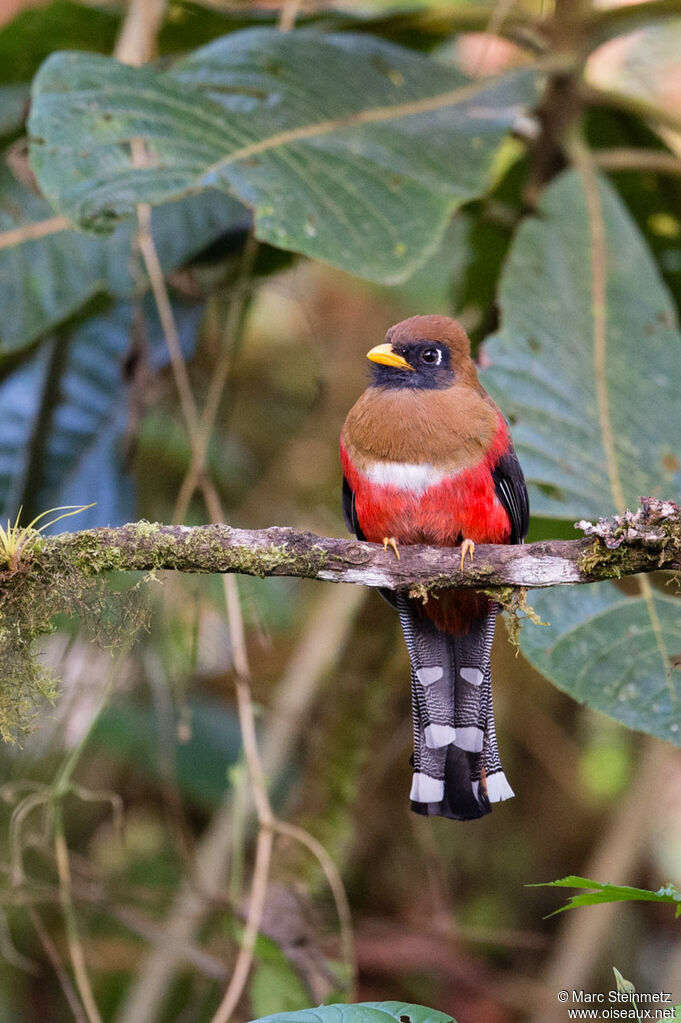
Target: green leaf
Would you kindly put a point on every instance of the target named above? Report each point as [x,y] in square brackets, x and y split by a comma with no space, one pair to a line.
[63,414]
[42,281]
[364,1012]
[275,986]
[46,280]
[587,365]
[604,649]
[610,893]
[59,414]
[594,412]
[348,149]
[653,199]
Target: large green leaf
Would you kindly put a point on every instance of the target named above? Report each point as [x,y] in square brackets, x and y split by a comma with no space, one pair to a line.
[611,651]
[653,199]
[587,364]
[42,281]
[594,403]
[46,280]
[58,409]
[348,149]
[63,415]
[364,1012]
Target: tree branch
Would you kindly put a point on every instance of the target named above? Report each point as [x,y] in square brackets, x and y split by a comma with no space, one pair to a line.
[644,541]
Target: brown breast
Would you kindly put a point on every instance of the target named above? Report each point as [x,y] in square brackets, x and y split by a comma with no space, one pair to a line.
[451,429]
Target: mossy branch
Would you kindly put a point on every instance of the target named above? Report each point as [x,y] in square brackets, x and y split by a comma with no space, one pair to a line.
[47,576]
[644,541]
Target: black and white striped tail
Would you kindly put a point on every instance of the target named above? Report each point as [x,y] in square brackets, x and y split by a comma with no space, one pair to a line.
[457,769]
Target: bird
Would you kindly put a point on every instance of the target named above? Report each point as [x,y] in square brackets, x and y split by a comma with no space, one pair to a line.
[427,458]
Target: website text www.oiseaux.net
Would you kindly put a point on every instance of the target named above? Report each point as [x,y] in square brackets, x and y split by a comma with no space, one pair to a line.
[607,1014]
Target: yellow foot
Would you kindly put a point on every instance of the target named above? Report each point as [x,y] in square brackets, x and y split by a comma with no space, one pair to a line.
[467,547]
[390,541]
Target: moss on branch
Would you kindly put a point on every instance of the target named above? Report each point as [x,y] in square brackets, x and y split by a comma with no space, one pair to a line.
[642,541]
[67,574]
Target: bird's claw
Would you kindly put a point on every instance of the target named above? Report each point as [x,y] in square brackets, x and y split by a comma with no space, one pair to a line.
[390,541]
[467,548]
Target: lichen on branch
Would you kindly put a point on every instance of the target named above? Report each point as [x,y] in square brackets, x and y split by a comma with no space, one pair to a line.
[64,574]
[642,541]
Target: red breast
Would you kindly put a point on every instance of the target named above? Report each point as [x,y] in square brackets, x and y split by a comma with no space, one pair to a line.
[421,503]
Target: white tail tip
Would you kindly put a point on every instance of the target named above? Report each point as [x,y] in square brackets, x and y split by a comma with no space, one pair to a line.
[425,789]
[498,788]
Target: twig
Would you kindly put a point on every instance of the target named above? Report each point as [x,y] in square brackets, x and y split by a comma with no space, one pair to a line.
[135,46]
[600,313]
[199,430]
[265,840]
[72,935]
[637,106]
[261,873]
[645,541]
[136,43]
[268,826]
[335,883]
[230,334]
[165,312]
[57,965]
[50,799]
[623,159]
[288,14]
[611,21]
[31,232]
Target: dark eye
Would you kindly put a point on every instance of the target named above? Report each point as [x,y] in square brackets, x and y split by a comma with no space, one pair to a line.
[431,356]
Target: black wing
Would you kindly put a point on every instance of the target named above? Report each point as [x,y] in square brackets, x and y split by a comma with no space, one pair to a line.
[349,512]
[509,484]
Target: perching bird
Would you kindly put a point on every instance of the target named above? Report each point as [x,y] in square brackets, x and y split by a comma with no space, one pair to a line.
[427,458]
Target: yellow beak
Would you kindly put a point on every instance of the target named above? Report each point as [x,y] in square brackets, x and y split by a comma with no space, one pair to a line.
[385,355]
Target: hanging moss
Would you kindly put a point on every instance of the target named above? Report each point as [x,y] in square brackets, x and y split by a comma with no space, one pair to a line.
[513,601]
[31,597]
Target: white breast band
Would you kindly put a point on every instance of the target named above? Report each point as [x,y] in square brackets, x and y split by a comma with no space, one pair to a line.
[414,476]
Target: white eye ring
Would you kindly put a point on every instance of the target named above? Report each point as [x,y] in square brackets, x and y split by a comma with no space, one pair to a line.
[439,357]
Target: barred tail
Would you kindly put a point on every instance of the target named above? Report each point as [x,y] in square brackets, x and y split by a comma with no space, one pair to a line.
[457,770]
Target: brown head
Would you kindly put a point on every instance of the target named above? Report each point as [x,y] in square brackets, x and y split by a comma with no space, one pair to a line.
[425,403]
[430,352]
